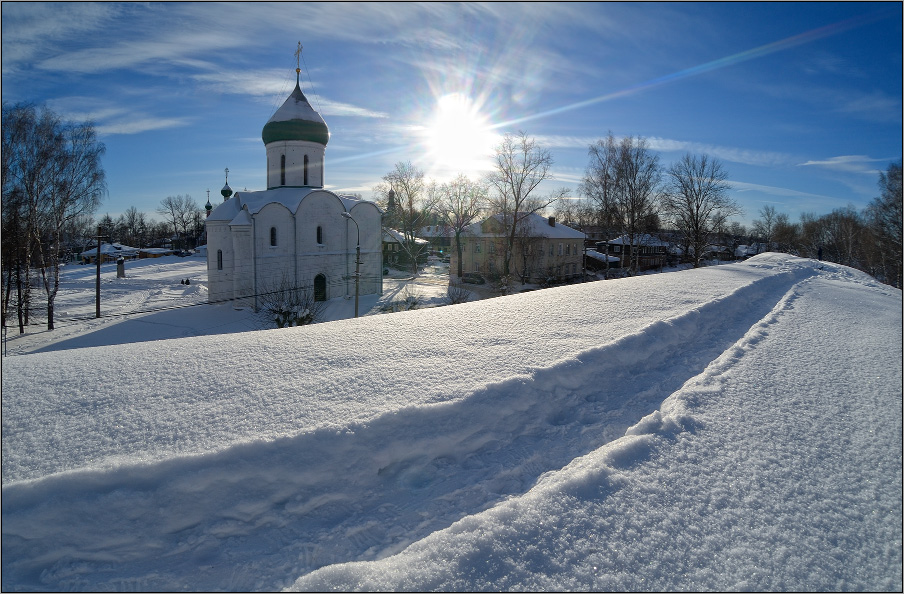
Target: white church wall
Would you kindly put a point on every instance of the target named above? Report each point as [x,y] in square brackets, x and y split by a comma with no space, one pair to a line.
[243,267]
[219,251]
[274,244]
[295,151]
[321,209]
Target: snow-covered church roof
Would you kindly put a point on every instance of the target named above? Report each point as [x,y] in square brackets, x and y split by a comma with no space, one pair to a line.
[296,120]
[289,197]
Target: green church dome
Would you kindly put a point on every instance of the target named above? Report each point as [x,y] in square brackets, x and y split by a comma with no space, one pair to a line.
[296,120]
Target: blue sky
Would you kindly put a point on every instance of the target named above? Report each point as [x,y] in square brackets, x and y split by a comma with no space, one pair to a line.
[800,101]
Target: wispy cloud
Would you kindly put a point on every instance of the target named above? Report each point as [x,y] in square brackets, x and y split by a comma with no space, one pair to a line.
[667,145]
[873,106]
[274,86]
[112,119]
[847,163]
[336,108]
[136,126]
[725,153]
[740,186]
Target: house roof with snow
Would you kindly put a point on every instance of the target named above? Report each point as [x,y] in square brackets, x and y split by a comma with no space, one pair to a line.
[533,225]
[433,231]
[112,248]
[640,239]
[393,236]
[601,257]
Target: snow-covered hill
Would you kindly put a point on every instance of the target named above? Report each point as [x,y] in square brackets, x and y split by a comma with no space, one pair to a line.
[735,427]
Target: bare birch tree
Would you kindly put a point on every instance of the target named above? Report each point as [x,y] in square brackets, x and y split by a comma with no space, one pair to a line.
[78,185]
[520,166]
[461,202]
[599,184]
[637,193]
[52,176]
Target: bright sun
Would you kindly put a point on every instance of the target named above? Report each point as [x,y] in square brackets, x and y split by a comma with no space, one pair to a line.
[458,138]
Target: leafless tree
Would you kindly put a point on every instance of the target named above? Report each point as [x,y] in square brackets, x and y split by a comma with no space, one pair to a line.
[78,185]
[599,186]
[179,211]
[577,213]
[456,294]
[785,234]
[884,214]
[520,165]
[461,202]
[288,305]
[764,227]
[134,224]
[52,176]
[637,193]
[696,199]
[409,202]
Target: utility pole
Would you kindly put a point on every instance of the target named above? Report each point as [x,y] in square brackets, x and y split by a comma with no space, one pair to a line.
[100,230]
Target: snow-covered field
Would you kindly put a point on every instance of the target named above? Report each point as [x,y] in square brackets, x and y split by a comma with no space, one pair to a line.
[730,428]
[152,303]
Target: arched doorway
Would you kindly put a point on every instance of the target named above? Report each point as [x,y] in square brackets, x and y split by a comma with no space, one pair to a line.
[319,288]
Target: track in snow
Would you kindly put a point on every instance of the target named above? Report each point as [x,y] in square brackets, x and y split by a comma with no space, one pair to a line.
[289,506]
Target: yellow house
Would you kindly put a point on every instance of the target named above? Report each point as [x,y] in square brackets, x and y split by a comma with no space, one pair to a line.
[543,250]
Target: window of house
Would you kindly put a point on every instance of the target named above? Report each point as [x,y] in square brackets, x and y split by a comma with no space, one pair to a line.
[477,248]
[272,236]
[550,252]
[219,259]
[320,235]
[567,249]
[282,170]
[306,170]
[616,249]
[560,249]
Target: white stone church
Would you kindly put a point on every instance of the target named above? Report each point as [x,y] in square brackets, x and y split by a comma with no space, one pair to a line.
[295,232]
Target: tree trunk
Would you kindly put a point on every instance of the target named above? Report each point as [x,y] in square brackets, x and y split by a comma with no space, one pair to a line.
[19,302]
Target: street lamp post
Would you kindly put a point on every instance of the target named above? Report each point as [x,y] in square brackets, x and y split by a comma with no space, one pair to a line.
[357,257]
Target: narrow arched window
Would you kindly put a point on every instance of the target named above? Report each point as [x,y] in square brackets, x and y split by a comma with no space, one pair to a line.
[320,235]
[305,170]
[272,236]
[282,170]
[219,259]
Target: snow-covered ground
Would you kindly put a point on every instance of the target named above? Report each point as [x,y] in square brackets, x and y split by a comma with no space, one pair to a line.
[153,303]
[730,428]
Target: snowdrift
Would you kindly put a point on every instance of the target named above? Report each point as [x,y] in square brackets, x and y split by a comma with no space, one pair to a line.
[735,427]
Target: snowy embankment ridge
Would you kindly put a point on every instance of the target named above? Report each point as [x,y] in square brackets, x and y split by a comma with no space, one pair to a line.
[735,427]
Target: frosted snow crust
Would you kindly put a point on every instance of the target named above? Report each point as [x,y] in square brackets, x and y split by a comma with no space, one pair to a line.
[729,428]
